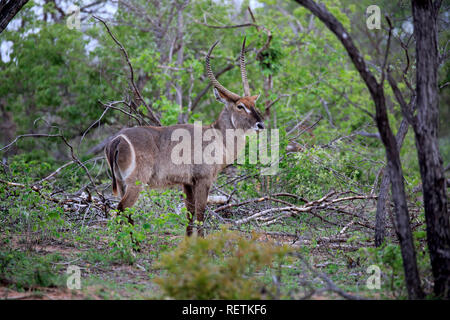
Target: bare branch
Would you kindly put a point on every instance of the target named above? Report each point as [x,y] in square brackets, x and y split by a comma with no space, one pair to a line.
[386,54]
[153,117]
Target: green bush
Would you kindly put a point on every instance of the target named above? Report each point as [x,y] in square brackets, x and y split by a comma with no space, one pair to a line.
[389,258]
[25,211]
[224,265]
[153,217]
[24,271]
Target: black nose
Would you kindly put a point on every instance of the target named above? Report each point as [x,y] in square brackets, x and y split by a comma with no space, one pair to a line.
[260,125]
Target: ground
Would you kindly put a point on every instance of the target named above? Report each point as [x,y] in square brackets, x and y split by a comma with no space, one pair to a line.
[107,277]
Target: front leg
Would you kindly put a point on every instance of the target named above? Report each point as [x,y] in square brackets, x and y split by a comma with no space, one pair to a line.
[189,201]
[201,190]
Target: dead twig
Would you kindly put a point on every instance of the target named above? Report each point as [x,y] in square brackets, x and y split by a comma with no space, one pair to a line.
[153,116]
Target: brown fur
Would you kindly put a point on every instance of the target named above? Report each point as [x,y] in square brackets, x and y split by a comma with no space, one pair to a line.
[142,155]
[153,166]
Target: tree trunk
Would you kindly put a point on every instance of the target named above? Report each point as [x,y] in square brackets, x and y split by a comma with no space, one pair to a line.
[182,117]
[404,233]
[380,218]
[393,157]
[7,131]
[8,10]
[426,132]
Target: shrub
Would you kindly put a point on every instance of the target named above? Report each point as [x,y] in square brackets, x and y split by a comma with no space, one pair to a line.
[224,265]
[25,271]
[154,217]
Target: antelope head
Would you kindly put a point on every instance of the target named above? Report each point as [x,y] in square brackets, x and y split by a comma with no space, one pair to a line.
[241,110]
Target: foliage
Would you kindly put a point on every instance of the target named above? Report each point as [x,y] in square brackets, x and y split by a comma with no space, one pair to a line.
[220,266]
[148,228]
[55,77]
[24,210]
[24,271]
[388,257]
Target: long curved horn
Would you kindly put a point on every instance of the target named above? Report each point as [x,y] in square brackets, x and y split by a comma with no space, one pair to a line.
[243,71]
[213,79]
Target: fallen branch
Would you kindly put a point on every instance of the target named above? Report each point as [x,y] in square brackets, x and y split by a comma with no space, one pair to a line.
[320,204]
[330,285]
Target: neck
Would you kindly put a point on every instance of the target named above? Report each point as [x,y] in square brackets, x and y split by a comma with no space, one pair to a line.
[232,149]
[224,122]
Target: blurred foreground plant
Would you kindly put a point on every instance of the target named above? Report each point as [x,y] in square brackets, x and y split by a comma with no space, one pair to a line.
[224,265]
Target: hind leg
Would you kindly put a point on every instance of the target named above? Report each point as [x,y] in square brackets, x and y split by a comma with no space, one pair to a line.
[190,206]
[118,191]
[130,196]
[120,188]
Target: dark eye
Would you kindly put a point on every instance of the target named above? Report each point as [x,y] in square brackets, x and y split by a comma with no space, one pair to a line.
[240,106]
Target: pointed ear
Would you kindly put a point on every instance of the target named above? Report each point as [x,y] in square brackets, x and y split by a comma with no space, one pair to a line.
[255,98]
[220,97]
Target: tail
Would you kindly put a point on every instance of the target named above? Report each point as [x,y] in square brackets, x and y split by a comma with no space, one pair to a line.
[111,152]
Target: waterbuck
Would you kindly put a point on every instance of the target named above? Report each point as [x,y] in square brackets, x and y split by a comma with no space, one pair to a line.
[146,154]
